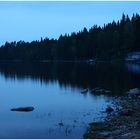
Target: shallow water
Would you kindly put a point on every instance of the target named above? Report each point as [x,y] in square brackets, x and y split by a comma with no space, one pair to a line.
[61,111]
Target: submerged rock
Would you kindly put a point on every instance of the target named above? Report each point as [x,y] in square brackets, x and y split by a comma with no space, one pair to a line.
[61,124]
[104,134]
[91,61]
[95,89]
[84,90]
[129,135]
[126,112]
[108,91]
[23,109]
[134,92]
[99,90]
[109,109]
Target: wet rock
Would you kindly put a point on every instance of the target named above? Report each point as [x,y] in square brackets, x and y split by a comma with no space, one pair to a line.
[122,127]
[104,134]
[99,90]
[126,112]
[127,135]
[23,109]
[61,124]
[116,132]
[84,90]
[91,61]
[137,124]
[108,91]
[134,92]
[109,109]
[138,96]
[95,89]
[92,91]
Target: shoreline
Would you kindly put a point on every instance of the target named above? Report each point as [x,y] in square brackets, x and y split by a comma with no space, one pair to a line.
[123,123]
[88,61]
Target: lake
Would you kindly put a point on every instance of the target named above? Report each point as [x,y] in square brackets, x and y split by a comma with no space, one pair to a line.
[54,90]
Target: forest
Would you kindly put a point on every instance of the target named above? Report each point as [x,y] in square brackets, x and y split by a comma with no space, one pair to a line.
[112,41]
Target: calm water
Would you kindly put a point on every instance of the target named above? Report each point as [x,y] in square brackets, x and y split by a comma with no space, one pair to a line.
[54,91]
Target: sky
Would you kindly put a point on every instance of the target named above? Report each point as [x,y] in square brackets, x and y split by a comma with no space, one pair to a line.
[28,20]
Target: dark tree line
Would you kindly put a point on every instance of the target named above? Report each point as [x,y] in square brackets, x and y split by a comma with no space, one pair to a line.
[113,40]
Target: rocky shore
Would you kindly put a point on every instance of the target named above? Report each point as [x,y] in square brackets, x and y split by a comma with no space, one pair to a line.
[121,123]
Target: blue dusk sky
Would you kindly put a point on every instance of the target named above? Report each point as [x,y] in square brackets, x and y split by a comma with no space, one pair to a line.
[32,20]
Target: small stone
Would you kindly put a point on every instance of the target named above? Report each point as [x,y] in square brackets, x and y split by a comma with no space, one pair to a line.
[100,91]
[107,91]
[117,132]
[139,96]
[104,134]
[109,109]
[134,92]
[126,135]
[93,90]
[61,124]
[84,90]
[126,112]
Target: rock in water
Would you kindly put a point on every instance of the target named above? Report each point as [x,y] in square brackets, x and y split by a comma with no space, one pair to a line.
[126,112]
[104,134]
[109,109]
[134,92]
[99,90]
[95,89]
[108,91]
[84,91]
[23,109]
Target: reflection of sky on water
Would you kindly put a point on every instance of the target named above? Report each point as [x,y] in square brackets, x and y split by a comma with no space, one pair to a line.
[133,67]
[53,105]
[53,89]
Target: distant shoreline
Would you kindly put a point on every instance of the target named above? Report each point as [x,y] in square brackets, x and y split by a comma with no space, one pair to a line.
[75,61]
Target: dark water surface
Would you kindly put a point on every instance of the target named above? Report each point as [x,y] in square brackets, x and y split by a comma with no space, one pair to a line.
[53,89]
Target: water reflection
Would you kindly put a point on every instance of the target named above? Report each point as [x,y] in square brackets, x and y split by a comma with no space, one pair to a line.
[135,68]
[115,77]
[53,89]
